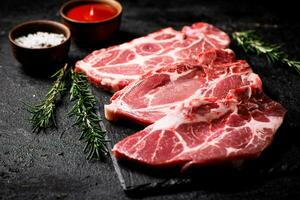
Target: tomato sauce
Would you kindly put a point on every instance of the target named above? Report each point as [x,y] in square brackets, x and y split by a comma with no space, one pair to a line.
[92,12]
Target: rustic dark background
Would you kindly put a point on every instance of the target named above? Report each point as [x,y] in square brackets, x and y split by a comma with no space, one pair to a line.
[51,165]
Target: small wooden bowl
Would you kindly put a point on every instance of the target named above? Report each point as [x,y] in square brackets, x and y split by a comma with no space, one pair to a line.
[92,32]
[40,56]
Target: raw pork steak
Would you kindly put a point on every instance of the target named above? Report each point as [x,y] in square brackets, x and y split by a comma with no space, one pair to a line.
[207,131]
[159,92]
[115,67]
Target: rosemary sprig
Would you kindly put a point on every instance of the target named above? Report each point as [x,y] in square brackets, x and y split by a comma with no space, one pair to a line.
[251,42]
[86,117]
[43,114]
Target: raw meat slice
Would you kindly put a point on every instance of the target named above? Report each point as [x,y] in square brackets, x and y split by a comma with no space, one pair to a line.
[115,67]
[207,131]
[160,92]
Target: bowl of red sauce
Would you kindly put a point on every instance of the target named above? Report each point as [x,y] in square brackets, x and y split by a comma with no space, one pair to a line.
[92,21]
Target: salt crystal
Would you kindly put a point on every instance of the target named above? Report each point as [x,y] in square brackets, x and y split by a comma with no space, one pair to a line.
[40,40]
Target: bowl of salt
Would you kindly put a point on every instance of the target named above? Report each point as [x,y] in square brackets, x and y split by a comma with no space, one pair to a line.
[40,43]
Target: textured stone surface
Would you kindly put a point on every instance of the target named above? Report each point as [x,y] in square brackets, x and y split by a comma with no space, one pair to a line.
[51,165]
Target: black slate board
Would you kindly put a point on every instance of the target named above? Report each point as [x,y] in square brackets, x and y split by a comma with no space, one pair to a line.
[281,159]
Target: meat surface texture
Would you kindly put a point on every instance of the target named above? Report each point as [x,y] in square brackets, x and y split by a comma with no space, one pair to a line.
[207,131]
[159,92]
[115,67]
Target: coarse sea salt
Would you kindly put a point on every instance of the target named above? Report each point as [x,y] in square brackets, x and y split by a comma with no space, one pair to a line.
[40,40]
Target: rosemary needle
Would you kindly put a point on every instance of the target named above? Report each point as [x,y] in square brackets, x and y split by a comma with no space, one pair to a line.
[86,117]
[251,42]
[43,114]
